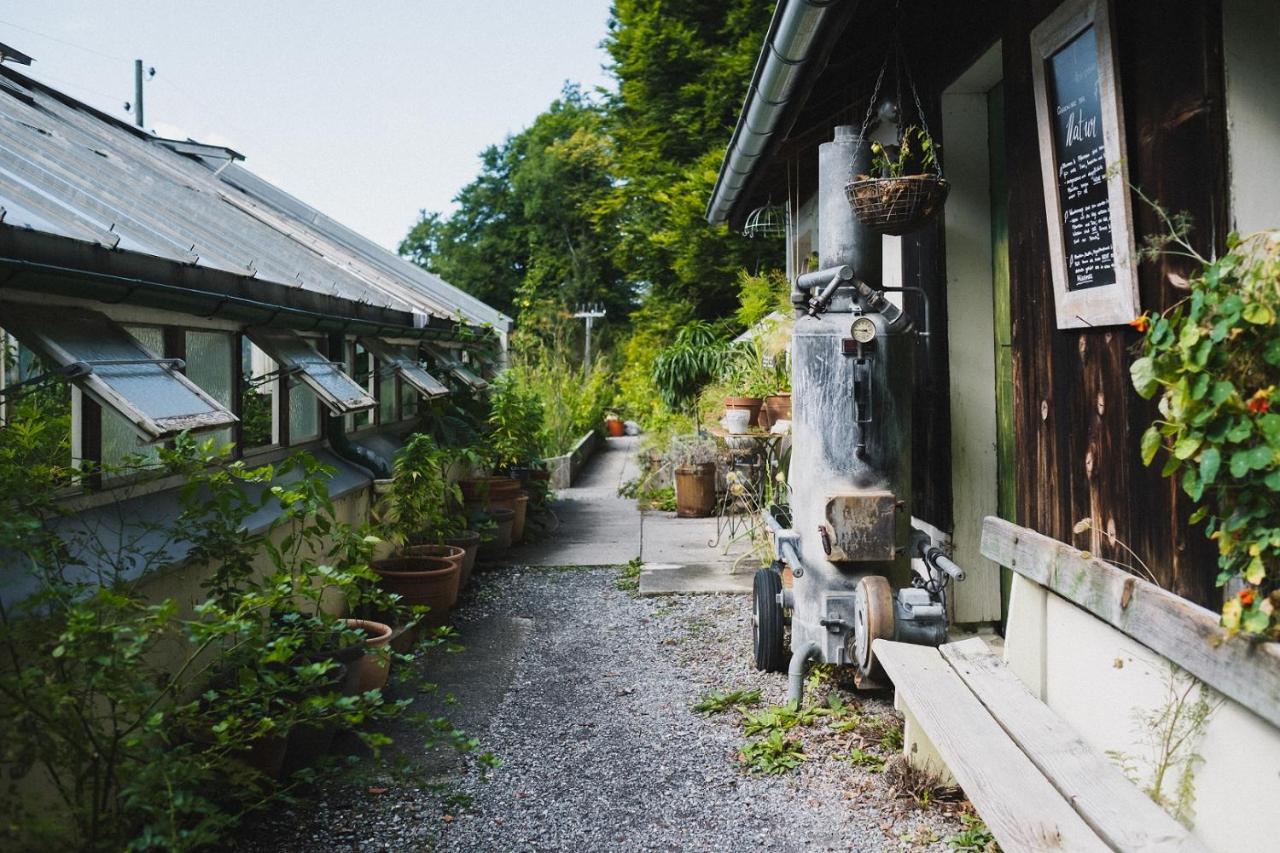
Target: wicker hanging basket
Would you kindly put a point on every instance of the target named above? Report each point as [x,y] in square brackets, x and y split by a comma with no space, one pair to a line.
[896,205]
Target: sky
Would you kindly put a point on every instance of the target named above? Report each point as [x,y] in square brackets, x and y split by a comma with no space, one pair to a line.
[368,111]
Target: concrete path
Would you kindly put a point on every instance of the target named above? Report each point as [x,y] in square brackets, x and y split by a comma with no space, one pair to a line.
[598,528]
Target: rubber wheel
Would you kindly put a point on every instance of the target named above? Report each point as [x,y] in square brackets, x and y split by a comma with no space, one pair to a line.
[873,620]
[766,622]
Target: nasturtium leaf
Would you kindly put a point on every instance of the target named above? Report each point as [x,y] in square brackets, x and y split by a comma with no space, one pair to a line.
[1231,612]
[1239,431]
[1255,571]
[1143,374]
[1272,353]
[1260,457]
[1222,391]
[1255,621]
[1171,464]
[1258,314]
[1186,446]
[1272,481]
[1201,354]
[1269,426]
[1150,444]
[1239,463]
[1232,306]
[1210,461]
[1192,484]
[1189,336]
[1198,515]
[1200,386]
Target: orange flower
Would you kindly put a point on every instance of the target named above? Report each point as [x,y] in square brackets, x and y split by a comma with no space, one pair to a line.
[1142,322]
[1246,596]
[1260,402]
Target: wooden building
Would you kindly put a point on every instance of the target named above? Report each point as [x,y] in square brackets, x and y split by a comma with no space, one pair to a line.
[1034,418]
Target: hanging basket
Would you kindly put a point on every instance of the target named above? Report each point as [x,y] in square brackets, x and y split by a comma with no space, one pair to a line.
[896,206]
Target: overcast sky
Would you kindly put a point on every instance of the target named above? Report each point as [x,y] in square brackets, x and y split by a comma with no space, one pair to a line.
[367,110]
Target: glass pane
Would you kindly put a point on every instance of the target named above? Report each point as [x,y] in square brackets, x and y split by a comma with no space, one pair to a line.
[362,372]
[386,394]
[257,403]
[327,379]
[304,413]
[408,400]
[209,366]
[122,449]
[113,367]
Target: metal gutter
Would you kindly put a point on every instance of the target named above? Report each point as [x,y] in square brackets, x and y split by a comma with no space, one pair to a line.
[792,40]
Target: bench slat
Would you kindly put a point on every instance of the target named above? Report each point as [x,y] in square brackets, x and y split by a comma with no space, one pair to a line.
[1020,807]
[1113,806]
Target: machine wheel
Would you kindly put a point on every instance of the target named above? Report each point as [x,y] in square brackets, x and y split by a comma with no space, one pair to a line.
[873,620]
[766,622]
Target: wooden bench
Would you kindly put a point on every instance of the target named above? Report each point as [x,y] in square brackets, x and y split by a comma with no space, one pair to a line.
[1033,780]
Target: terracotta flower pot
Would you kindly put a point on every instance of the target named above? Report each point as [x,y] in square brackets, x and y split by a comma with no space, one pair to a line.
[751,404]
[452,553]
[501,537]
[777,407]
[469,542]
[370,670]
[521,509]
[488,491]
[614,427]
[429,581]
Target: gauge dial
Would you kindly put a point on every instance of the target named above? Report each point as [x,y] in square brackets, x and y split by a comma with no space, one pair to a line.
[864,330]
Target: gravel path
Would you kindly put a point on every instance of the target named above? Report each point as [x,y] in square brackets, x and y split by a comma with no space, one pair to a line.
[601,750]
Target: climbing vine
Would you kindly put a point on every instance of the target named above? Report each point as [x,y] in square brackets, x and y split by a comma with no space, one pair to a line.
[1213,363]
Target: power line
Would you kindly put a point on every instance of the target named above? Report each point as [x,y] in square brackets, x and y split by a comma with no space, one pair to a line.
[64,41]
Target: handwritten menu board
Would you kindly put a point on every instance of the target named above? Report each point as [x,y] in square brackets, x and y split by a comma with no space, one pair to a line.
[1076,109]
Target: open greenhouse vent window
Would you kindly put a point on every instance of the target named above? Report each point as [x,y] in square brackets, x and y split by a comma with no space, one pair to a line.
[115,370]
[405,364]
[296,357]
[454,365]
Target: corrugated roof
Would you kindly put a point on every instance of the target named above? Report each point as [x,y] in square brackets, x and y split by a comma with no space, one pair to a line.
[72,171]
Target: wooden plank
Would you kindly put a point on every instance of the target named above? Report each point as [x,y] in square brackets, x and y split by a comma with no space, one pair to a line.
[1185,633]
[1110,804]
[1021,808]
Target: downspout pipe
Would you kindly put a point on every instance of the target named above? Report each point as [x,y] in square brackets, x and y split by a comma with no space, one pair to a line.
[790,43]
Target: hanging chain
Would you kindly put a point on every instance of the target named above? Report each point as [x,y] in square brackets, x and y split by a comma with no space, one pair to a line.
[871,107]
[915,96]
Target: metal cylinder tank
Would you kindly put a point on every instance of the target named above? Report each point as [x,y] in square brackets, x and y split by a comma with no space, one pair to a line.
[850,471]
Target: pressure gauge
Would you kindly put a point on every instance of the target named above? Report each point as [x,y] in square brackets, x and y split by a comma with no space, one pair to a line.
[864,330]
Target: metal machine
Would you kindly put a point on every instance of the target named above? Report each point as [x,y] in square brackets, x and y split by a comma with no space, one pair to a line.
[850,545]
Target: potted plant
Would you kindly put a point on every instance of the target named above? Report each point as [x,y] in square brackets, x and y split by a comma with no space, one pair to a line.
[695,475]
[777,404]
[905,188]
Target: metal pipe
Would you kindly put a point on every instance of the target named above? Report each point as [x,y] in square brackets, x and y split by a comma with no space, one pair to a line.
[795,672]
[786,538]
[793,34]
[810,280]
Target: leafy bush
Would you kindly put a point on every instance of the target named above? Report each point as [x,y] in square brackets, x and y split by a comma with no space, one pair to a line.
[696,356]
[573,402]
[144,718]
[423,501]
[516,418]
[1213,360]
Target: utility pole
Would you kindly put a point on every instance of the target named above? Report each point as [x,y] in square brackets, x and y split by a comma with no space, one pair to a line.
[588,313]
[137,92]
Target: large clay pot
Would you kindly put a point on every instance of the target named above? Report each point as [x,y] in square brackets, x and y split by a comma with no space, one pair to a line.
[469,542]
[521,509]
[751,404]
[370,670]
[489,491]
[452,553]
[777,407]
[501,537]
[429,581]
[614,427]
[696,490]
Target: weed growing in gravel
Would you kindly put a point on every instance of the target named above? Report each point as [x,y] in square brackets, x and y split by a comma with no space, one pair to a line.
[975,838]
[771,756]
[918,784]
[891,740]
[861,758]
[629,576]
[717,701]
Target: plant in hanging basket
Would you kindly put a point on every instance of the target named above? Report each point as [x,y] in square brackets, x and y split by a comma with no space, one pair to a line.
[902,194]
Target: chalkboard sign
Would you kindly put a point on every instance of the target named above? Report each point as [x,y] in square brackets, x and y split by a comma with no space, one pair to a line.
[1081,144]
[1081,161]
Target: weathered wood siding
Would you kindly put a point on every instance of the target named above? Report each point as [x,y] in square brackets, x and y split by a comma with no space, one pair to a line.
[1077,420]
